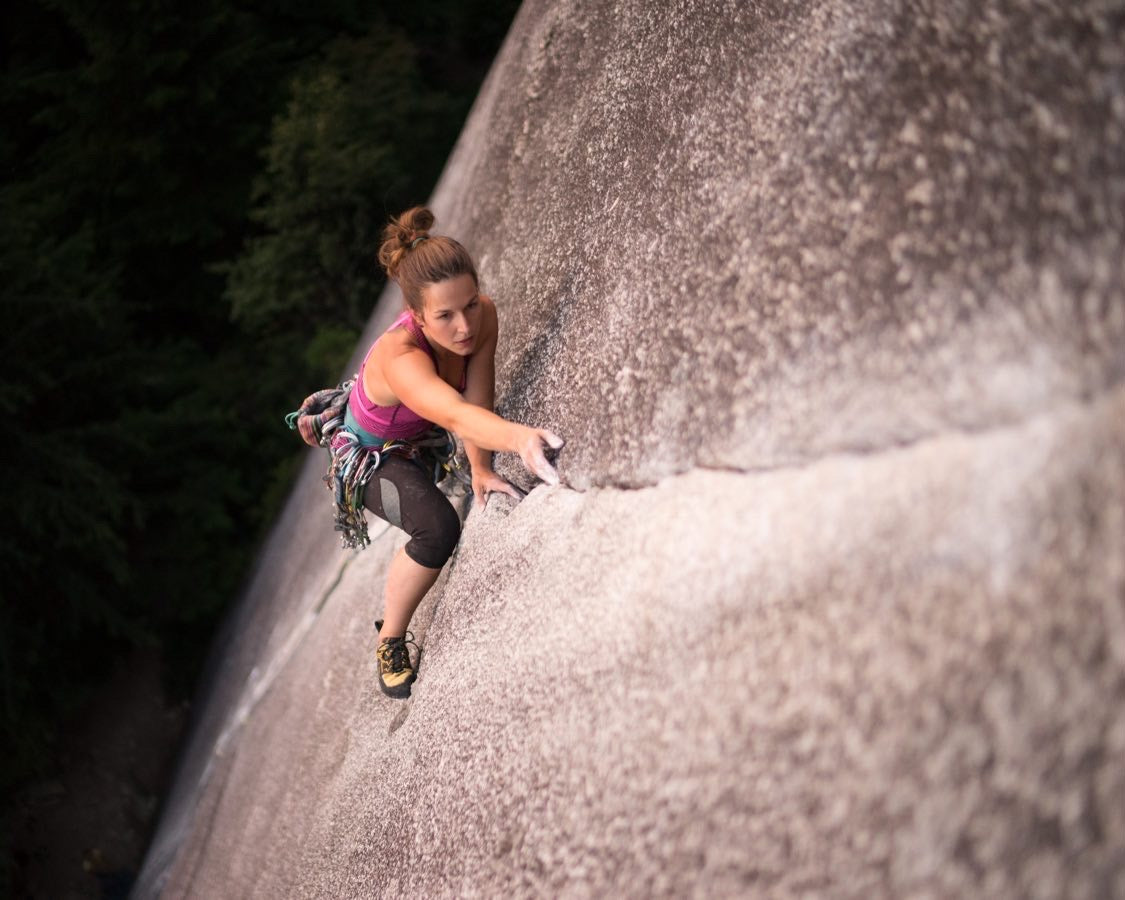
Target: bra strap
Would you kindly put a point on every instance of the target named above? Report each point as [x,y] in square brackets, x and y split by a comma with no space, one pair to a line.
[413,328]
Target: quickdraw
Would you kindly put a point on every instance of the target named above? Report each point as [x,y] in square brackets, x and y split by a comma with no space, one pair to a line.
[352,464]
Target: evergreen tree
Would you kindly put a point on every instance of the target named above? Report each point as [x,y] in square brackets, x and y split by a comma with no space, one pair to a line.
[190,205]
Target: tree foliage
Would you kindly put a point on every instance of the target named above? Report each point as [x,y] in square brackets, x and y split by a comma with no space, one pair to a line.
[188,220]
[329,173]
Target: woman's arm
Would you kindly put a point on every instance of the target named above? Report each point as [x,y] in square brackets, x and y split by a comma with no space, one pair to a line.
[480,387]
[480,390]
[410,374]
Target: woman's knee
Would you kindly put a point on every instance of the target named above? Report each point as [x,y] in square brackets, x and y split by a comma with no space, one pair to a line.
[434,536]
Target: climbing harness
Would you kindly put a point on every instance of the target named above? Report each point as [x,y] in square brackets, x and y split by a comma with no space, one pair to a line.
[352,464]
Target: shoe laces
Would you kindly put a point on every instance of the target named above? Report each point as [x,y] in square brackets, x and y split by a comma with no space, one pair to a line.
[397,653]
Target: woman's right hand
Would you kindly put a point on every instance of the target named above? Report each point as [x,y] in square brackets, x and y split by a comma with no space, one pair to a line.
[530,444]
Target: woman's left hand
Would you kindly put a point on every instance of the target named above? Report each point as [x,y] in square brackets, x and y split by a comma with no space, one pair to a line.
[487,482]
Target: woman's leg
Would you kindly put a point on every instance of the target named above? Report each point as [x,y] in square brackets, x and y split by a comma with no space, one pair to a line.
[404,494]
[407,584]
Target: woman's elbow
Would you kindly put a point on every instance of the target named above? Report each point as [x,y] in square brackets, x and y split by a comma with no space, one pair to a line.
[454,418]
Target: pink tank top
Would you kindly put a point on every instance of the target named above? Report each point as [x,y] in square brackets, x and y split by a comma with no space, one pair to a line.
[397,422]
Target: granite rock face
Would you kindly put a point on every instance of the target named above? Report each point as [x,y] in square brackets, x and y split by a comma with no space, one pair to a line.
[827,300]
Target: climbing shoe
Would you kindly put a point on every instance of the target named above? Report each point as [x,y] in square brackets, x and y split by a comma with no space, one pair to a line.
[396,674]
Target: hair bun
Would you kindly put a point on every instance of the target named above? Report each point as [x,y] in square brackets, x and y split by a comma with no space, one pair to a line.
[401,236]
[415,258]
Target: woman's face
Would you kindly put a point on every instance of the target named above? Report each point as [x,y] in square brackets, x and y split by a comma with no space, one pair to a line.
[451,316]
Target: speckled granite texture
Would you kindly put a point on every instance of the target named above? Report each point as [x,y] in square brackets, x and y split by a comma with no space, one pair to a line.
[827,300]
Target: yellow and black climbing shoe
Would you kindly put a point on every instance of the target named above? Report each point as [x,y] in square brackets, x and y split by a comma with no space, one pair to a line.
[396,674]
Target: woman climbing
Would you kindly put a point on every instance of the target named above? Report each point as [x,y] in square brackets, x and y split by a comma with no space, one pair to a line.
[434,365]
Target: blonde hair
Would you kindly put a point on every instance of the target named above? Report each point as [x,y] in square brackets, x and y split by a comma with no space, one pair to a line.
[415,258]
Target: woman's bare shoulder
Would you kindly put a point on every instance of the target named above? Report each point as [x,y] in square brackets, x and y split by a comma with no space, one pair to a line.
[391,347]
[395,342]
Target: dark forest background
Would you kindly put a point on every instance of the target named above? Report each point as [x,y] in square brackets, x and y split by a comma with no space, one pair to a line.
[190,202]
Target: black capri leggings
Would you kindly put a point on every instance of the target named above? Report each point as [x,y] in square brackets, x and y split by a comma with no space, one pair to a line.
[404,494]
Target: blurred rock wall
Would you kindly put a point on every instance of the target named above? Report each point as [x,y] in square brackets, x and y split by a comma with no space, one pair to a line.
[827,300]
